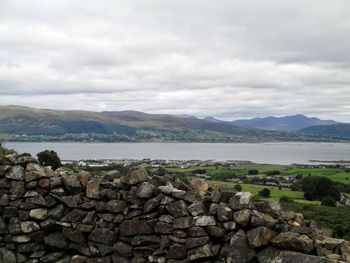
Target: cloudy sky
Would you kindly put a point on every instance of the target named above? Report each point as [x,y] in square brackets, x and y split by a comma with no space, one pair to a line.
[227,58]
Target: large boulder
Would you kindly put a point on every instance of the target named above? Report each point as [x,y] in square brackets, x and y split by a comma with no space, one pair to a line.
[242,217]
[137,176]
[93,188]
[293,241]
[146,190]
[199,185]
[72,183]
[260,236]
[134,227]
[241,200]
[16,173]
[271,254]
[240,250]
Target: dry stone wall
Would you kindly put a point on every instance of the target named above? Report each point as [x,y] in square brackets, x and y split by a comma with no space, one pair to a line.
[51,216]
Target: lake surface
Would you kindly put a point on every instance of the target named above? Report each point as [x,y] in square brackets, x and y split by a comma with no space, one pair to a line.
[274,153]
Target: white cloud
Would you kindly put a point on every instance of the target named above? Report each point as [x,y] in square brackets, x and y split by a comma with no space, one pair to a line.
[230,59]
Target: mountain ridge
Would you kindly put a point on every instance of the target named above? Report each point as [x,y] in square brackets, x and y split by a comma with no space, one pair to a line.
[32,124]
[286,123]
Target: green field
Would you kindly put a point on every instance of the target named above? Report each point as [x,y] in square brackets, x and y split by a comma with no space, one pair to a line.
[254,189]
[335,174]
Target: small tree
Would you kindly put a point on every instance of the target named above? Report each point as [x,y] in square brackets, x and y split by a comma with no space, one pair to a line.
[238,187]
[265,192]
[285,199]
[49,158]
[329,201]
[273,172]
[253,172]
[317,188]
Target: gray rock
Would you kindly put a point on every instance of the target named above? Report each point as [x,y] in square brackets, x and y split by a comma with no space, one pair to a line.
[230,225]
[269,206]
[239,249]
[116,206]
[197,209]
[3,226]
[261,219]
[146,190]
[74,216]
[56,240]
[34,171]
[103,236]
[38,213]
[137,176]
[17,188]
[25,159]
[146,241]
[93,188]
[241,200]
[270,254]
[21,239]
[196,232]
[242,217]
[167,219]
[193,242]
[72,183]
[4,169]
[182,222]
[29,226]
[74,235]
[177,209]
[328,242]
[16,173]
[200,253]
[224,213]
[260,236]
[163,228]
[150,205]
[222,196]
[215,231]
[7,256]
[122,249]
[52,257]
[14,226]
[204,221]
[134,227]
[56,212]
[176,251]
[293,241]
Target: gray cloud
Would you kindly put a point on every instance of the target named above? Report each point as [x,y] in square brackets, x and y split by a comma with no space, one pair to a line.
[231,59]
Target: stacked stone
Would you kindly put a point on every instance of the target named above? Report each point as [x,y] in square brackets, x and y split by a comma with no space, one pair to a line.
[51,216]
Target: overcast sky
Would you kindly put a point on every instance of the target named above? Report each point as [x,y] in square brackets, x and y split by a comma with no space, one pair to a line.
[227,58]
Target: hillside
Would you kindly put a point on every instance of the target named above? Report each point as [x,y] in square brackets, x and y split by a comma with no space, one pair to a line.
[287,123]
[30,124]
[341,131]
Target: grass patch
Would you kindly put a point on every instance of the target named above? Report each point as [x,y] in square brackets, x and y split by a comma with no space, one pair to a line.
[275,192]
[335,174]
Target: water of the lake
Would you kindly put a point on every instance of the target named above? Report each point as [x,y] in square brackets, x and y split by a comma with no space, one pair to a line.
[273,153]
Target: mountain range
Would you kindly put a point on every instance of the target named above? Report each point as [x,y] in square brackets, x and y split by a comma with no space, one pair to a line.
[286,123]
[19,123]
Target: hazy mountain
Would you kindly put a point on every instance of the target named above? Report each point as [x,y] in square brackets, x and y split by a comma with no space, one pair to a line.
[211,119]
[30,124]
[287,123]
[42,124]
[340,131]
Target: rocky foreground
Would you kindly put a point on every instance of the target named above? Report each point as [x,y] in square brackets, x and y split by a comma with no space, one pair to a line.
[51,216]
